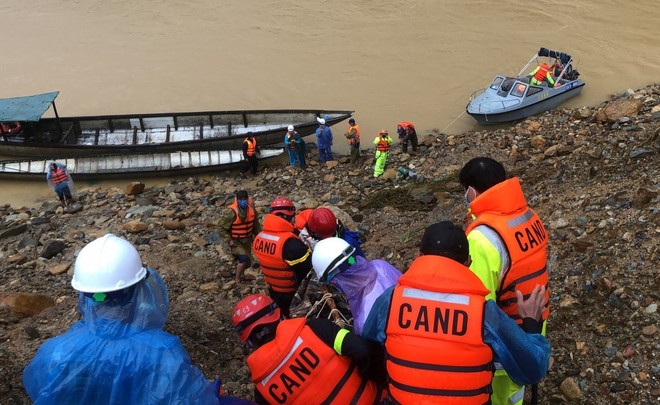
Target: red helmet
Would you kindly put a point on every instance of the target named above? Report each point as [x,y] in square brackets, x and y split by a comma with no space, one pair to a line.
[282,205]
[322,223]
[251,311]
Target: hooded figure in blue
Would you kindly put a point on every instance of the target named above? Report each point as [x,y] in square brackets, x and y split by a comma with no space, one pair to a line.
[118,353]
[324,140]
[336,262]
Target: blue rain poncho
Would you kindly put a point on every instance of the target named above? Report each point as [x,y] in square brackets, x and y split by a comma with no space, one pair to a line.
[118,354]
[363,283]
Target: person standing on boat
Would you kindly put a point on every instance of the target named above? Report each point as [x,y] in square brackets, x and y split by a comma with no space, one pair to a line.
[508,246]
[407,133]
[382,143]
[290,144]
[250,154]
[541,74]
[59,179]
[238,226]
[353,136]
[324,143]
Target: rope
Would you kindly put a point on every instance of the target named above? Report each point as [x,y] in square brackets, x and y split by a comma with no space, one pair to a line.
[316,304]
[450,124]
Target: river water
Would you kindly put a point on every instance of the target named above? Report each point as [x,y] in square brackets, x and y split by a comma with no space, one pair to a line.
[389,60]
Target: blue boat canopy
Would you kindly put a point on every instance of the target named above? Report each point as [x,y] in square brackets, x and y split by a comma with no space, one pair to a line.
[27,108]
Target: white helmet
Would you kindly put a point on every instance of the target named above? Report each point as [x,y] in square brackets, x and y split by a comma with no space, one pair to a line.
[109,263]
[290,128]
[321,121]
[328,255]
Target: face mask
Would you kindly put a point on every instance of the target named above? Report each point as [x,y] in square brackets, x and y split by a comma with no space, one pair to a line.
[243,204]
[467,196]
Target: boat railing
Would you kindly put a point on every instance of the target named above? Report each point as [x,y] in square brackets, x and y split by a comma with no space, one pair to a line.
[477,93]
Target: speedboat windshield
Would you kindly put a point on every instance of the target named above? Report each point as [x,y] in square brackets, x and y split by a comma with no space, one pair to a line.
[495,85]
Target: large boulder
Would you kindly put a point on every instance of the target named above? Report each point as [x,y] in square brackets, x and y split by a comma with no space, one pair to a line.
[618,109]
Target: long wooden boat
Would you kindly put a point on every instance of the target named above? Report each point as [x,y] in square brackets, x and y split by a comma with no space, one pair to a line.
[25,132]
[164,164]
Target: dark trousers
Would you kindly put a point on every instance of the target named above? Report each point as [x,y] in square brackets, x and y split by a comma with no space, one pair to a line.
[283,300]
[251,162]
[355,152]
[413,142]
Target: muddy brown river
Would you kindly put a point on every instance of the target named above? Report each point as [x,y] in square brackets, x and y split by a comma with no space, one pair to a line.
[389,60]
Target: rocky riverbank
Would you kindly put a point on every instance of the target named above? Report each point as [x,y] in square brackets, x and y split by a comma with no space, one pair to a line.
[592,174]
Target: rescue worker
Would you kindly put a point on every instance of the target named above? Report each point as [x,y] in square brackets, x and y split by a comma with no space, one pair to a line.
[442,335]
[290,144]
[59,180]
[323,224]
[306,361]
[382,143]
[285,260]
[324,141]
[541,74]
[250,154]
[118,352]
[508,244]
[353,136]
[407,133]
[301,150]
[238,226]
[360,280]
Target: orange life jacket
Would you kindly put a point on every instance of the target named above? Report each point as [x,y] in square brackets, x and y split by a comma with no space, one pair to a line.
[242,228]
[252,145]
[299,368]
[355,127]
[268,246]
[58,176]
[382,145]
[504,209]
[301,219]
[541,72]
[434,344]
[406,124]
[290,139]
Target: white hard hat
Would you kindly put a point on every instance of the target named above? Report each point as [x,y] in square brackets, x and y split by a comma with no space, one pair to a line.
[109,263]
[321,121]
[290,128]
[328,255]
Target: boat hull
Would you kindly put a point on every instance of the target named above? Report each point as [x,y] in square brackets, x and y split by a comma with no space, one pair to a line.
[525,110]
[133,166]
[149,133]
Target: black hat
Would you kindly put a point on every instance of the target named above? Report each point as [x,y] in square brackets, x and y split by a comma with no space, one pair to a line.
[445,239]
[241,194]
[351,121]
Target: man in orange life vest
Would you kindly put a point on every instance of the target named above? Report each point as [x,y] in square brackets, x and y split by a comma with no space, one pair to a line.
[285,260]
[238,226]
[353,136]
[407,133]
[508,246]
[540,74]
[442,336]
[58,178]
[250,154]
[306,361]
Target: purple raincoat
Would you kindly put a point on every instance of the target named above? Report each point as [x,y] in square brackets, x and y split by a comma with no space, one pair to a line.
[362,283]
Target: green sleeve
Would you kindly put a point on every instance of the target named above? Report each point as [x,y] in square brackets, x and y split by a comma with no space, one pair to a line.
[224,225]
[486,261]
